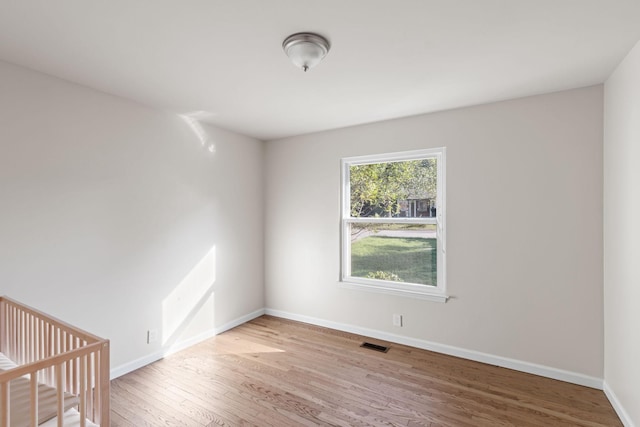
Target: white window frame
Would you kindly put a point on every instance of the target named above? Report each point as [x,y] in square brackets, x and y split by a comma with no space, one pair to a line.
[434,293]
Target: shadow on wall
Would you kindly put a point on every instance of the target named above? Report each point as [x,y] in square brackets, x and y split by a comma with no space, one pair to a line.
[191,300]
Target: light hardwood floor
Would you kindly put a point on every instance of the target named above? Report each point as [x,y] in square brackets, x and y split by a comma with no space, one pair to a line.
[276,372]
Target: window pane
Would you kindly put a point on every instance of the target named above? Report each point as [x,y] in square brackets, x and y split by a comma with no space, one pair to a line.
[396,252]
[394,189]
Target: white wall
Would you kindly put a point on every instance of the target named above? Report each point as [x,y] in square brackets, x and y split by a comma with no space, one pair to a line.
[115,218]
[622,236]
[524,192]
[120,210]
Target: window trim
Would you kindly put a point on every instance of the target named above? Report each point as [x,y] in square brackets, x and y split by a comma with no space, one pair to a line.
[433,293]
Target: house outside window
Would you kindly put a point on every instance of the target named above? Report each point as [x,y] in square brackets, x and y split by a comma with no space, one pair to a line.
[393,223]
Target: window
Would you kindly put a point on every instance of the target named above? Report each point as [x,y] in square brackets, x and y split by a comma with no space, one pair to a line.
[393,223]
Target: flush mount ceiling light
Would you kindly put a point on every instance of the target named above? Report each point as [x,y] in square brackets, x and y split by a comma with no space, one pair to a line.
[305,50]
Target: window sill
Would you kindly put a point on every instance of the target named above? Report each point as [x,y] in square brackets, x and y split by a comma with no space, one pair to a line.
[424,295]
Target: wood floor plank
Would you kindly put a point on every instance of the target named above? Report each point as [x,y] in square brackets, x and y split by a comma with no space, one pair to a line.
[280,373]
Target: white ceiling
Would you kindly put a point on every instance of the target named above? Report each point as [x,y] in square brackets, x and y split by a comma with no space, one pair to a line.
[388,58]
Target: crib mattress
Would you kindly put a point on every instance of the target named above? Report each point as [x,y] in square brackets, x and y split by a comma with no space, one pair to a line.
[71,418]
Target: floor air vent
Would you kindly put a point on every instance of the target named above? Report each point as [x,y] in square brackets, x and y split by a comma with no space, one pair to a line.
[375,347]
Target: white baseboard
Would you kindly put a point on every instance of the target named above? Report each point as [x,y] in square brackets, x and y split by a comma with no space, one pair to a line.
[617,406]
[157,355]
[239,321]
[518,365]
[125,368]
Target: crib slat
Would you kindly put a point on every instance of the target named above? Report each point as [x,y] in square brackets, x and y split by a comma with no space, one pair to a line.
[73,378]
[23,333]
[3,325]
[90,411]
[16,338]
[67,347]
[60,391]
[28,340]
[50,345]
[55,341]
[105,385]
[21,336]
[27,337]
[41,344]
[5,417]
[3,328]
[98,391]
[34,399]
[16,328]
[83,391]
[32,339]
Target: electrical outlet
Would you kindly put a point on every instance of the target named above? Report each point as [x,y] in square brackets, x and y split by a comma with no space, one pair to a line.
[397,320]
[152,336]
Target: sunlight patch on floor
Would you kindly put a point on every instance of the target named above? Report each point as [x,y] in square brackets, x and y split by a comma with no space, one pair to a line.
[234,345]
